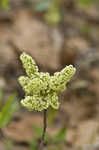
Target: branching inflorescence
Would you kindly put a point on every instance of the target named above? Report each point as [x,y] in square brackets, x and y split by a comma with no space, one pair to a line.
[41,89]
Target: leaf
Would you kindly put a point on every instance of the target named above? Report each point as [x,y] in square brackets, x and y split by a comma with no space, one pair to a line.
[60,137]
[6,118]
[8,110]
[5,4]
[8,144]
[85,2]
[37,129]
[55,148]
[8,103]
[1,95]
[51,116]
[42,5]
[33,145]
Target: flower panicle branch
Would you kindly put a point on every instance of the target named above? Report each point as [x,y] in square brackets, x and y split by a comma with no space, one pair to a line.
[41,89]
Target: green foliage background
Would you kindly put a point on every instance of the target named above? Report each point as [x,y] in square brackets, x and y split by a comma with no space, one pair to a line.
[7,109]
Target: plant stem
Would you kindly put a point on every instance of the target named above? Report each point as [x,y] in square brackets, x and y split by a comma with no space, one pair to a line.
[1,134]
[44,129]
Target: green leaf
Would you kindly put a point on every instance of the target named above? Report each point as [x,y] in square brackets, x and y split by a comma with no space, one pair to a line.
[42,5]
[7,110]
[33,145]
[57,147]
[60,137]
[37,129]
[4,4]
[85,2]
[1,95]
[7,116]
[51,116]
[8,144]
[8,103]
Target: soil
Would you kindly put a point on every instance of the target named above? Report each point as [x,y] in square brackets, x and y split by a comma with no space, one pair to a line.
[74,41]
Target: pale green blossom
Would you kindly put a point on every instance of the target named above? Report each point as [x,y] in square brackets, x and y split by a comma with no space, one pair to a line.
[41,89]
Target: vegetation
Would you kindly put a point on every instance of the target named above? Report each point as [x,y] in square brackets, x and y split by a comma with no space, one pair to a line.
[41,89]
[58,139]
[73,28]
[7,109]
[4,4]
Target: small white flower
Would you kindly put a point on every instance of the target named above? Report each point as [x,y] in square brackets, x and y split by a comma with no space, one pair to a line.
[41,89]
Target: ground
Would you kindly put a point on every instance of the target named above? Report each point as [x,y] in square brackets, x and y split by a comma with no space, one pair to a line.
[75,41]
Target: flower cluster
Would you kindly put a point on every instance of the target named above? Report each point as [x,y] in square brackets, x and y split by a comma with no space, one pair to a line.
[41,89]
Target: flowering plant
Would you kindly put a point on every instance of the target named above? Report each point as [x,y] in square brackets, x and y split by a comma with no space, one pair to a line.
[42,89]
